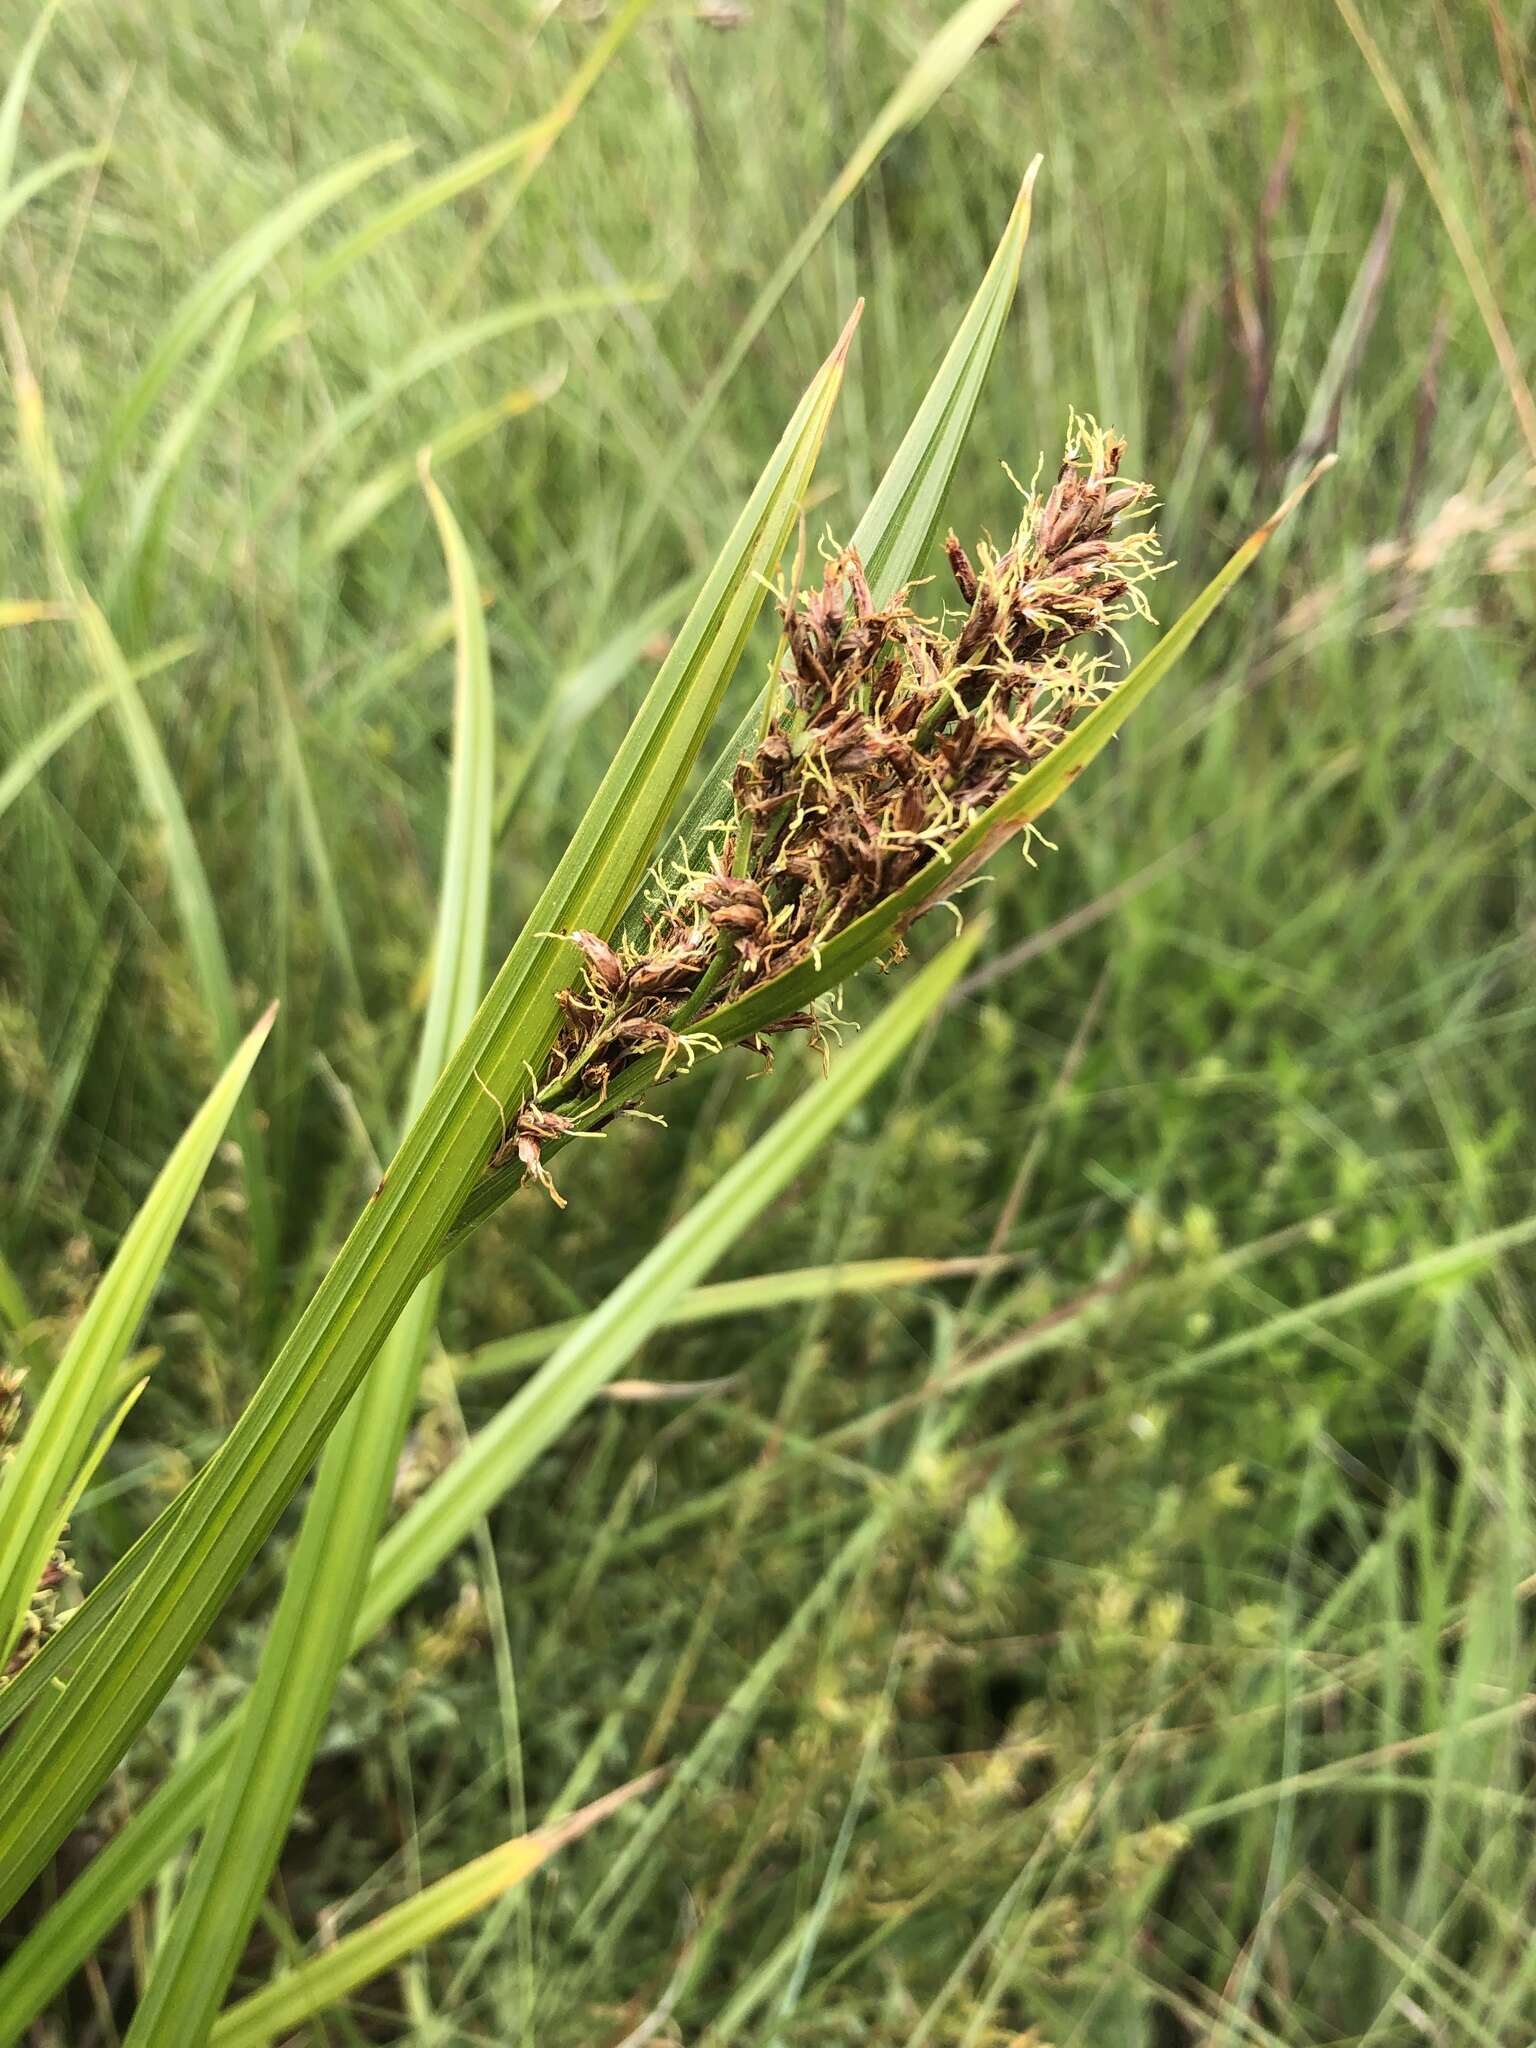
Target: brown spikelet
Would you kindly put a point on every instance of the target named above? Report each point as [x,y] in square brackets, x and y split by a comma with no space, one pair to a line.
[42,1616]
[893,733]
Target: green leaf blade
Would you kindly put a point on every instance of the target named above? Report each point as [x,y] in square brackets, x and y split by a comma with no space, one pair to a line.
[608,1338]
[211,296]
[20,80]
[285,1712]
[136,559]
[176,1581]
[26,189]
[324,1979]
[190,887]
[871,935]
[371,497]
[936,67]
[902,517]
[46,1467]
[526,146]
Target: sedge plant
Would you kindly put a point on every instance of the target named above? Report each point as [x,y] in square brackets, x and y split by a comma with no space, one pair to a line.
[899,743]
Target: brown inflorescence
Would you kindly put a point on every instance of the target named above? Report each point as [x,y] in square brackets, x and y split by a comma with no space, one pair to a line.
[893,735]
[42,1615]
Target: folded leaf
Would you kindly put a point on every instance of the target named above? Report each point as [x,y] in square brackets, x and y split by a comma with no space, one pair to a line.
[46,1467]
[175,1581]
[904,514]
[307,1645]
[872,935]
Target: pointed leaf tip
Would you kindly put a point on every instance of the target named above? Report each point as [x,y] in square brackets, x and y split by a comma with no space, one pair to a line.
[1016,234]
[1283,511]
[839,354]
[559,1832]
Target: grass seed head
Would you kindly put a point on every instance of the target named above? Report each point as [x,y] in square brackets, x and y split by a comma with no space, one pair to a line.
[893,733]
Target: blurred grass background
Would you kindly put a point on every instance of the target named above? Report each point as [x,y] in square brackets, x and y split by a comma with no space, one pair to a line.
[1129,1644]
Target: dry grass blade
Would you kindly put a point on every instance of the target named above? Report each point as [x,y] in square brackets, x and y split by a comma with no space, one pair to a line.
[763,1294]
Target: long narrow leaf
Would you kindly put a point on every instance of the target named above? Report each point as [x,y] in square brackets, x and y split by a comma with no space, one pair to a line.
[304,1653]
[26,189]
[137,554]
[15,1309]
[762,1294]
[209,299]
[369,499]
[46,1467]
[528,145]
[45,1960]
[903,515]
[573,697]
[934,70]
[189,879]
[1029,798]
[435,354]
[16,90]
[608,1338]
[328,1977]
[893,537]
[312,837]
[871,935]
[599,868]
[29,611]
[68,1745]
[33,755]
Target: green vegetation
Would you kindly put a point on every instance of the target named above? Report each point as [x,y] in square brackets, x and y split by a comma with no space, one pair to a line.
[1085,1600]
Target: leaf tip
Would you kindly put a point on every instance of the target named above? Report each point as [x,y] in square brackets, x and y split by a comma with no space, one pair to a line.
[19,362]
[1283,511]
[839,354]
[1016,234]
[577,1824]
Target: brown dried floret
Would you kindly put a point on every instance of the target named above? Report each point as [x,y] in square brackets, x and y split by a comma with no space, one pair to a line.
[605,970]
[894,733]
[532,1131]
